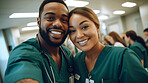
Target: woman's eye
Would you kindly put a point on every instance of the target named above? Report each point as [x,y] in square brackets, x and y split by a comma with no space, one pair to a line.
[84,27]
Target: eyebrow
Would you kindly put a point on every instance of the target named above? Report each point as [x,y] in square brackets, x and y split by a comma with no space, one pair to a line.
[49,13]
[55,14]
[79,24]
[83,22]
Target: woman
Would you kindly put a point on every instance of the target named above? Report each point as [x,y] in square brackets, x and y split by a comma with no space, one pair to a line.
[137,44]
[115,39]
[98,63]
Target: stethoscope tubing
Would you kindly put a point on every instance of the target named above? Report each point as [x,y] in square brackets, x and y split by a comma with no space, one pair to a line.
[48,63]
[70,69]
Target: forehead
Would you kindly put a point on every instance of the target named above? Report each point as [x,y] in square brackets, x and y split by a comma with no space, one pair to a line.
[76,19]
[55,7]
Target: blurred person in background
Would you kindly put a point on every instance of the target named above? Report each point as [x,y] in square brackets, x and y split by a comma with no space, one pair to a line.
[108,40]
[117,39]
[137,44]
[146,36]
[114,39]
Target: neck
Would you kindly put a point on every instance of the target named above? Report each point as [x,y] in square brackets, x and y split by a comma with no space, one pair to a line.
[53,51]
[95,51]
[132,42]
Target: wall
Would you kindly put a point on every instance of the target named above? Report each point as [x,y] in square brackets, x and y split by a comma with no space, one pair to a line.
[130,21]
[4,54]
[27,35]
[133,22]
[114,23]
[144,14]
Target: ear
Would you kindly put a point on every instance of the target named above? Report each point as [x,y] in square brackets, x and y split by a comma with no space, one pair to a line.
[38,21]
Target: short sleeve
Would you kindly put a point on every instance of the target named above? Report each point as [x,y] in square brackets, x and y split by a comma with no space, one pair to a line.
[23,63]
[132,70]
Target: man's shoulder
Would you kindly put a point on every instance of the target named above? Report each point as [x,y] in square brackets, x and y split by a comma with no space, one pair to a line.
[26,44]
[26,47]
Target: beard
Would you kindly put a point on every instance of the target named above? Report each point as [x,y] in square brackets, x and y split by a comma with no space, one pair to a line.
[46,38]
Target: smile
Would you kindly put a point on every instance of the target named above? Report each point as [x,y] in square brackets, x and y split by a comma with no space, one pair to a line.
[82,42]
[56,32]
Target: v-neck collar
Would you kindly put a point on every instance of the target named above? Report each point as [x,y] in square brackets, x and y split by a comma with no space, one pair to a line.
[53,63]
[98,61]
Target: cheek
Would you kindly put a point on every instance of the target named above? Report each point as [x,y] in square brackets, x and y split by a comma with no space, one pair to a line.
[66,27]
[72,37]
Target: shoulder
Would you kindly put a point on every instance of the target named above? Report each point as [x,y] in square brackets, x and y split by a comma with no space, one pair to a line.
[119,44]
[137,46]
[25,50]
[114,49]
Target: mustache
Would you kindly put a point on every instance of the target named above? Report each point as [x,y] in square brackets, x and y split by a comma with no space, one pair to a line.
[55,27]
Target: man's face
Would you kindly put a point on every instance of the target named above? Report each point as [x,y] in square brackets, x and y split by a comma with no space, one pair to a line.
[53,23]
[145,34]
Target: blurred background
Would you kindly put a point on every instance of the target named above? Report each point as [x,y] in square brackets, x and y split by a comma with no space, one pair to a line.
[18,20]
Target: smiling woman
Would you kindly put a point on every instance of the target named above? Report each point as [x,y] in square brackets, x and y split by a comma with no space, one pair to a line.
[98,63]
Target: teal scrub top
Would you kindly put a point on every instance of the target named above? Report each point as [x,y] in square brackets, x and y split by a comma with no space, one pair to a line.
[113,65]
[26,61]
[141,52]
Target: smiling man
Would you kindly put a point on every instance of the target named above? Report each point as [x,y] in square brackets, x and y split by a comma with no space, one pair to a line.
[43,59]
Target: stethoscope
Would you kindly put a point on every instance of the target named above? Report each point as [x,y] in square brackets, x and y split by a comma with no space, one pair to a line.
[70,69]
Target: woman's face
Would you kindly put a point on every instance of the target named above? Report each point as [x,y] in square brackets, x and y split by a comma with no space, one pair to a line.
[83,32]
[110,39]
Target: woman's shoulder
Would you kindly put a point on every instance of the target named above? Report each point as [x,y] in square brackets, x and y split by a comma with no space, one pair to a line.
[119,44]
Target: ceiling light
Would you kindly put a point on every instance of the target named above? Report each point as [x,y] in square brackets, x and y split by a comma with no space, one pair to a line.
[103,17]
[76,3]
[32,24]
[129,4]
[118,12]
[96,11]
[30,28]
[23,15]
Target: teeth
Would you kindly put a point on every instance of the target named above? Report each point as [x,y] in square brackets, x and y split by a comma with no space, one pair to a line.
[55,32]
[83,42]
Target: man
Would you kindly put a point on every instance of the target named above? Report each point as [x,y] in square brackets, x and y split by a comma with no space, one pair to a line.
[146,36]
[43,59]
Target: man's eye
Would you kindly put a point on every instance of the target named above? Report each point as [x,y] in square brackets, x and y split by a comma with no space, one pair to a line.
[64,20]
[71,31]
[84,27]
[50,18]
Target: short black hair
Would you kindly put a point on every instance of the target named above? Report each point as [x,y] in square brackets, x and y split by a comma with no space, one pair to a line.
[145,30]
[49,1]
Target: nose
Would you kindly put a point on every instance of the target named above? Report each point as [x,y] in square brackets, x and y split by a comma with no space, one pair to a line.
[79,34]
[57,23]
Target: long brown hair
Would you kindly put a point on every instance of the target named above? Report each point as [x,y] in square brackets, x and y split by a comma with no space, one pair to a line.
[117,38]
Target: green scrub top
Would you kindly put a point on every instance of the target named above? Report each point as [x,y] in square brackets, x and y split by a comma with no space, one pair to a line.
[114,65]
[141,52]
[26,61]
